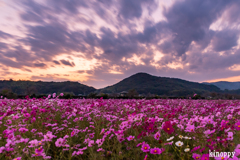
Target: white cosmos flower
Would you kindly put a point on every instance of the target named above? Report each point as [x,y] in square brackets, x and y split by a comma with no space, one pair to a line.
[179,143]
[187,137]
[169,139]
[180,136]
[187,149]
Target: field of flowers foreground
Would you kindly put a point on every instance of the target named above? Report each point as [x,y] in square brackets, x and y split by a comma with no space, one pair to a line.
[98,129]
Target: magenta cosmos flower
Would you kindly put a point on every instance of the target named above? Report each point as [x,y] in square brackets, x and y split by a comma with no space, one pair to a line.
[167,127]
[39,150]
[205,157]
[155,151]
[157,136]
[237,126]
[145,148]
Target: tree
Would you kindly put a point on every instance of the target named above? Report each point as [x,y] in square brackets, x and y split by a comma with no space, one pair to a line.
[104,95]
[92,95]
[132,93]
[31,90]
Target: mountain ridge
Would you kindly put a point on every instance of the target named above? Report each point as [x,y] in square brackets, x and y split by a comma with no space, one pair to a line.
[225,85]
[145,83]
[142,82]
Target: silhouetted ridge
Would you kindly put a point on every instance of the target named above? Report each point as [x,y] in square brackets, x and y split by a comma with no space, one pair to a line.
[145,83]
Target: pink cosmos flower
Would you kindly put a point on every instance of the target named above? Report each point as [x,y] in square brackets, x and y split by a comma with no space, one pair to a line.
[145,158]
[49,136]
[139,144]
[2,149]
[155,151]
[221,158]
[8,121]
[205,157]
[38,155]
[196,156]
[23,130]
[82,149]
[60,142]
[195,148]
[39,150]
[130,138]
[224,124]
[72,133]
[145,147]
[34,143]
[190,128]
[87,140]
[18,158]
[100,149]
[237,126]
[77,153]
[91,135]
[90,143]
[237,150]
[99,142]
[157,136]
[230,136]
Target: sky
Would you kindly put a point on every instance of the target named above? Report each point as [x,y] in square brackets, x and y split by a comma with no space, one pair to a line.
[100,42]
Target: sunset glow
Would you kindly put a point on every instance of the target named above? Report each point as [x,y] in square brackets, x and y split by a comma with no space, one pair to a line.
[99,42]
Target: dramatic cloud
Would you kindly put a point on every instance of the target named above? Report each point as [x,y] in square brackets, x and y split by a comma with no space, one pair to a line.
[67,63]
[98,43]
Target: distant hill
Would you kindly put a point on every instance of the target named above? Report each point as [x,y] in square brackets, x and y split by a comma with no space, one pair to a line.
[39,87]
[145,83]
[225,85]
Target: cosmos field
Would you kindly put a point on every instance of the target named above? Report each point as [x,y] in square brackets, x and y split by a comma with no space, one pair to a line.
[115,129]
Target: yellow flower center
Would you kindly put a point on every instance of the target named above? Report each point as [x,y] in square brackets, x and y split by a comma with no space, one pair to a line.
[168,129]
[239,126]
[191,129]
[39,143]
[222,158]
[197,157]
[155,151]
[179,144]
[145,147]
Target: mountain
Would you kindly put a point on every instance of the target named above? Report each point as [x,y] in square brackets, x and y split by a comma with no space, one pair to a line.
[225,85]
[39,87]
[145,83]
